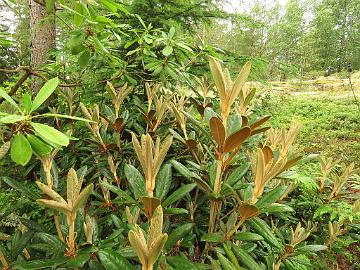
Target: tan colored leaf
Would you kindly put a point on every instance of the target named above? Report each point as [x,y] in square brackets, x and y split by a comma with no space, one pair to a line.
[62,207]
[160,156]
[156,247]
[139,244]
[236,139]
[217,130]
[50,192]
[239,83]
[218,77]
[245,121]
[150,204]
[247,211]
[259,130]
[83,196]
[268,154]
[71,186]
[259,173]
[111,90]
[260,122]
[138,151]
[290,163]
[156,224]
[4,149]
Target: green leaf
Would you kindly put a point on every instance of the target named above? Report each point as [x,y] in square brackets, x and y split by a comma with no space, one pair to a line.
[136,181]
[78,261]
[177,234]
[179,262]
[225,262]
[44,93]
[84,58]
[163,181]
[270,196]
[39,146]
[180,168]
[78,19]
[65,116]
[18,246]
[176,211]
[113,261]
[276,208]
[21,188]
[311,248]
[49,6]
[12,118]
[167,50]
[248,236]
[50,134]
[171,32]
[122,194]
[178,194]
[26,102]
[41,264]
[20,150]
[245,258]
[213,237]
[5,96]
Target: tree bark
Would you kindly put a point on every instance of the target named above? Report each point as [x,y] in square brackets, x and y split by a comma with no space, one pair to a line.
[42,34]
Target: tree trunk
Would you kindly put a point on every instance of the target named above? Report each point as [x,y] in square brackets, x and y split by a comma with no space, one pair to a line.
[42,34]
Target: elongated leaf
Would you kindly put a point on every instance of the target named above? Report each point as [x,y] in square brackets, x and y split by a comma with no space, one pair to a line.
[19,186]
[245,258]
[225,262]
[20,151]
[163,181]
[41,264]
[65,116]
[32,225]
[213,238]
[240,81]
[271,196]
[178,194]
[50,192]
[83,196]
[236,139]
[177,234]
[260,122]
[180,168]
[122,194]
[217,130]
[311,248]
[55,205]
[39,146]
[218,77]
[12,118]
[156,247]
[78,261]
[5,96]
[276,208]
[4,149]
[50,134]
[248,236]
[19,246]
[136,181]
[44,93]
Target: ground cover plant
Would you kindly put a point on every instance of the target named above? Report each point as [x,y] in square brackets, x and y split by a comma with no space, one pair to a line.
[131,147]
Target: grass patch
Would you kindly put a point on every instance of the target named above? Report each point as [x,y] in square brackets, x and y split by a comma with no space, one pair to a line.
[331,122]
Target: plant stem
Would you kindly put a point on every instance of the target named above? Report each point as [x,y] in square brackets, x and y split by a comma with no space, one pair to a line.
[147,267]
[71,240]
